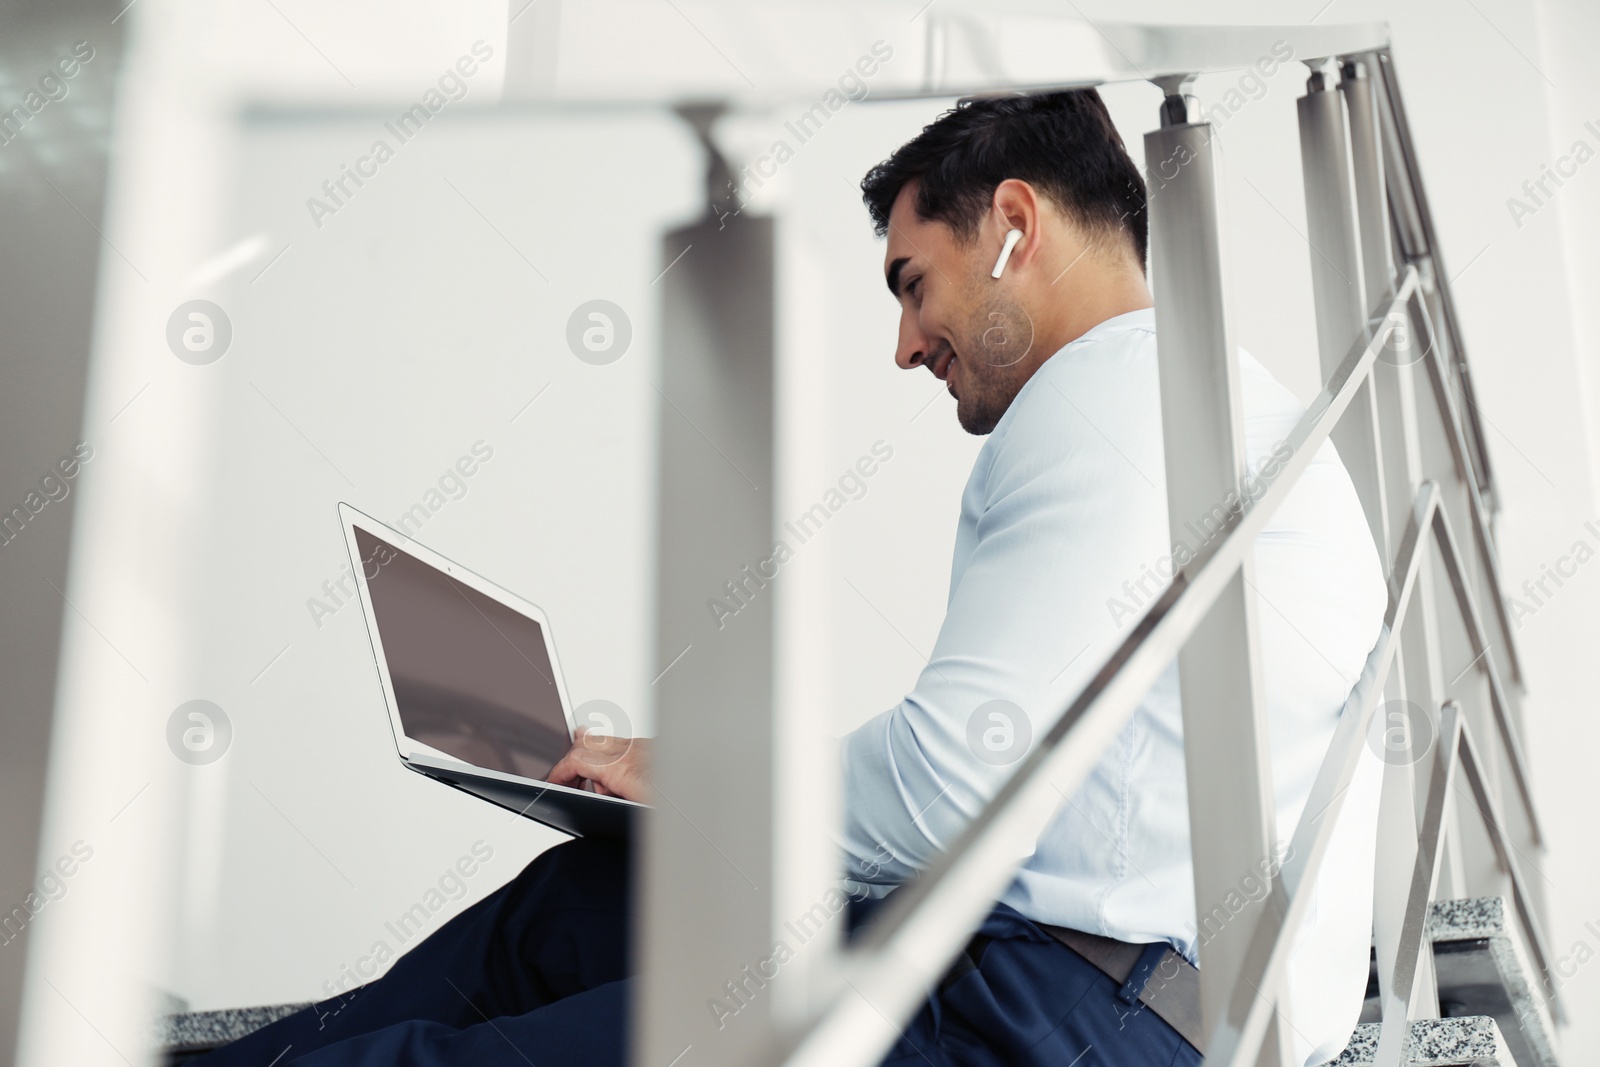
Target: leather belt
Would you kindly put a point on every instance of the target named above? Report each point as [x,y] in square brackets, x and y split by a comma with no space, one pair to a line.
[1171,984]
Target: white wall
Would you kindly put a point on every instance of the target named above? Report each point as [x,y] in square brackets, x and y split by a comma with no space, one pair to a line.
[384,343]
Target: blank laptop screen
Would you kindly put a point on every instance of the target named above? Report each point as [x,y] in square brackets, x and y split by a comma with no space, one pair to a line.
[472,677]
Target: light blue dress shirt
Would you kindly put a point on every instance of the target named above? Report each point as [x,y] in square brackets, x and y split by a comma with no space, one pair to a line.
[1063,544]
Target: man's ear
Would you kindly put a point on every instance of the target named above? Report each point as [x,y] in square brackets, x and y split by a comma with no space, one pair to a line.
[1014,206]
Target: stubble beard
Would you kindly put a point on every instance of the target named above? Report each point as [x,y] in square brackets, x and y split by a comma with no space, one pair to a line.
[993,357]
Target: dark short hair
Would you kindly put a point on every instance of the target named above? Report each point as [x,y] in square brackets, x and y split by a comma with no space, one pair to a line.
[1062,143]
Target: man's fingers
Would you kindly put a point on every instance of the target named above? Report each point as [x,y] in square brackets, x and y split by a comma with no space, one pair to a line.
[565,772]
[601,750]
[583,763]
[611,766]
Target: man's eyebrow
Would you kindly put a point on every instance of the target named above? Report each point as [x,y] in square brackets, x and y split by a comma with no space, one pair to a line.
[894,275]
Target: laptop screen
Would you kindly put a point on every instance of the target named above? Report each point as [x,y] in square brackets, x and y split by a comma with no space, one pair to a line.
[472,677]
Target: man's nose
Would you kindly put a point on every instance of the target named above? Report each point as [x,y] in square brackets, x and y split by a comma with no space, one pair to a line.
[913,346]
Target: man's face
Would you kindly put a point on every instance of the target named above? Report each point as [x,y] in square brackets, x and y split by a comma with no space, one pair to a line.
[955,319]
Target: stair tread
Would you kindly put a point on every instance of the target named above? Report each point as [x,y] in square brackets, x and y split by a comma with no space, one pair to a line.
[187,1030]
[1484,967]
[1472,1040]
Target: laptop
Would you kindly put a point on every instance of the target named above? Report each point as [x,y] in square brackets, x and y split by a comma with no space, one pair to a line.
[470,676]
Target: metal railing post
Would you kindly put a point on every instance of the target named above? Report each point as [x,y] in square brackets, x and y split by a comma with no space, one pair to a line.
[1372,210]
[1339,285]
[707,901]
[1226,742]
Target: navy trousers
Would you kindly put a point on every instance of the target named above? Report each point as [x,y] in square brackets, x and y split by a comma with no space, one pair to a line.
[537,972]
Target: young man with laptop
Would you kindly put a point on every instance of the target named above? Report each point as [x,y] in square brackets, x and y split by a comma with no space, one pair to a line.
[1016,252]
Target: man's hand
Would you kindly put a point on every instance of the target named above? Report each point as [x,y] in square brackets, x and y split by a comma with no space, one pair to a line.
[610,766]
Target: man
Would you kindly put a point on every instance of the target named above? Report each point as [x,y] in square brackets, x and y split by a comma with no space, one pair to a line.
[1016,251]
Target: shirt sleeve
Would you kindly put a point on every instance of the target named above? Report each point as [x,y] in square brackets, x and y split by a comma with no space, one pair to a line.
[1064,516]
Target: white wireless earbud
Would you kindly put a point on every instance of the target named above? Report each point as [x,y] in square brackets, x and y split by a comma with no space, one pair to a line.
[1012,237]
